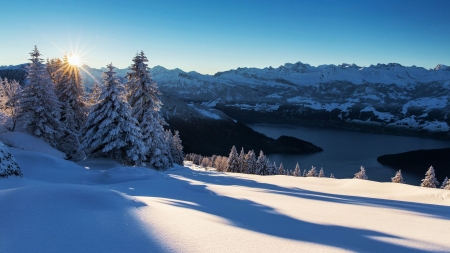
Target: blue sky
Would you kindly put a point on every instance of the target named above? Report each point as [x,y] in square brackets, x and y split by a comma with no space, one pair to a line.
[212,35]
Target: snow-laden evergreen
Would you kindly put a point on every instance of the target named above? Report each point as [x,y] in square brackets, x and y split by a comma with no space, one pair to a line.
[398,178]
[331,175]
[273,170]
[96,91]
[321,173]
[361,174]
[250,162]
[110,130]
[430,180]
[281,170]
[242,161]
[176,148]
[39,109]
[70,91]
[312,172]
[445,184]
[233,161]
[11,91]
[261,164]
[297,172]
[8,165]
[143,96]
[304,173]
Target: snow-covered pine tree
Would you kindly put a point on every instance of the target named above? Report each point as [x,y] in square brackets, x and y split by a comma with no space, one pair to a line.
[297,172]
[8,165]
[143,96]
[321,174]
[233,161]
[39,109]
[361,174]
[242,161]
[261,164]
[331,175]
[177,148]
[55,69]
[281,169]
[272,169]
[312,172]
[446,186]
[110,130]
[12,92]
[430,180]
[70,91]
[398,178]
[445,183]
[250,162]
[304,173]
[96,91]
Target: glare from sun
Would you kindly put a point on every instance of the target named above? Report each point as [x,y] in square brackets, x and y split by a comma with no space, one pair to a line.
[74,60]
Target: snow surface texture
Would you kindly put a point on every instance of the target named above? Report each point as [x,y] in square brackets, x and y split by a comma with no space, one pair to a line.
[98,206]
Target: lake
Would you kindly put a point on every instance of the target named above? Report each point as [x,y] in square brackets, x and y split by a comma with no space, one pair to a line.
[345,151]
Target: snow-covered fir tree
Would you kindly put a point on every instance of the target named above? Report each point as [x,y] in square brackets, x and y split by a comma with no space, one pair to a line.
[321,174]
[312,172]
[96,91]
[143,96]
[177,148]
[70,91]
[39,109]
[250,162]
[261,164]
[110,130]
[8,165]
[12,91]
[297,172]
[331,175]
[361,174]
[398,178]
[430,180]
[242,161]
[304,173]
[272,170]
[445,183]
[281,170]
[233,161]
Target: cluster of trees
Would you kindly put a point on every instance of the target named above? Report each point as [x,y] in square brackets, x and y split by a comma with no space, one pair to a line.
[248,163]
[114,120]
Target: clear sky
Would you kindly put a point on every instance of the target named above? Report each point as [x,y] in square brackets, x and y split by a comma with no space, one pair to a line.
[208,36]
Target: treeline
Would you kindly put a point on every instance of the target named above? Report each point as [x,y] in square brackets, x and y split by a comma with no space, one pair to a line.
[114,120]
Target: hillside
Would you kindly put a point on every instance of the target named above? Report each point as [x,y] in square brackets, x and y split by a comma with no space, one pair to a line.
[99,206]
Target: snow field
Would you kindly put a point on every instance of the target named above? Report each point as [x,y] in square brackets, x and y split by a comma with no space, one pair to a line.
[62,206]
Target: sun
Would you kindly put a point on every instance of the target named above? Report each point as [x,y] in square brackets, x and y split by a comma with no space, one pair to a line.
[74,60]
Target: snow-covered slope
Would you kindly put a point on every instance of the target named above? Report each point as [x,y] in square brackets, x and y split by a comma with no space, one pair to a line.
[381,95]
[99,207]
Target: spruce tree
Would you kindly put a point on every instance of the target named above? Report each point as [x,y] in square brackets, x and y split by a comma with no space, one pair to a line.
[177,148]
[398,178]
[261,164]
[96,91]
[361,174]
[446,184]
[430,180]
[281,169]
[331,175]
[39,109]
[297,172]
[312,172]
[12,92]
[143,96]
[242,161]
[304,173]
[8,165]
[110,130]
[233,161]
[250,162]
[321,174]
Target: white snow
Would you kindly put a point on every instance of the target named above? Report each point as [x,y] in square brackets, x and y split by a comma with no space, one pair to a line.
[385,116]
[426,103]
[60,206]
[208,114]
[27,142]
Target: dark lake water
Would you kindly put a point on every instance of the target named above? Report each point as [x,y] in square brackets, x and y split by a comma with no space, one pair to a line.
[345,151]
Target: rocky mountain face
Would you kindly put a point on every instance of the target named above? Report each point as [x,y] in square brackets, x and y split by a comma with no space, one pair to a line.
[380,98]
